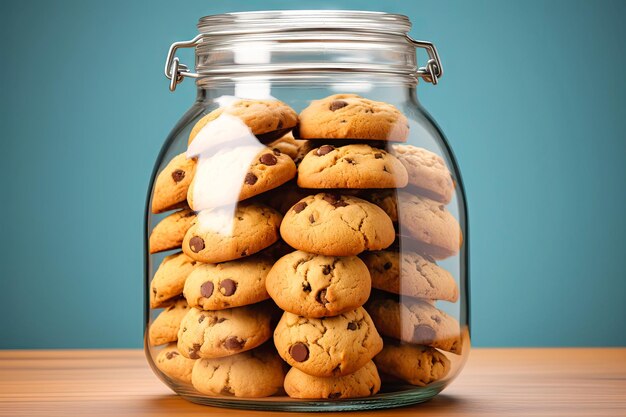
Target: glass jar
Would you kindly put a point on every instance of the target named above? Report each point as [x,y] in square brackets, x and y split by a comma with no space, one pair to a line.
[306,227]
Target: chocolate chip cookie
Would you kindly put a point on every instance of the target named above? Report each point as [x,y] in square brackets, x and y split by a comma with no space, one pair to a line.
[411,274]
[428,172]
[227,233]
[351,166]
[267,119]
[256,373]
[348,116]
[164,329]
[336,225]
[267,170]
[173,364]
[332,346]
[171,185]
[169,279]
[169,232]
[362,383]
[318,286]
[214,334]
[228,284]
[415,321]
[415,364]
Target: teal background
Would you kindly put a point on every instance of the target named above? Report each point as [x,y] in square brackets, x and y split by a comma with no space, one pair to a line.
[533,102]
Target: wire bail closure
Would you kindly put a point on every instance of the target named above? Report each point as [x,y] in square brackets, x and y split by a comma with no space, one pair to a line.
[176,72]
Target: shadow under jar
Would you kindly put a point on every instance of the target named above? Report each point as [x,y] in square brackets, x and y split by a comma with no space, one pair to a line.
[306,226]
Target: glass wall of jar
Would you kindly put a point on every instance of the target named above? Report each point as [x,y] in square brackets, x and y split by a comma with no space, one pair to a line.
[306,227]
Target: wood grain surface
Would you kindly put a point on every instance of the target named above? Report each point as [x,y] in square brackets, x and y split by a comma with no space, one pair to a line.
[495,382]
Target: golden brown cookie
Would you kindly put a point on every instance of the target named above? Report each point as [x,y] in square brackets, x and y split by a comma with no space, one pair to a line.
[170,187]
[412,274]
[415,364]
[351,166]
[332,346]
[169,279]
[415,321]
[362,383]
[431,223]
[224,234]
[169,232]
[268,169]
[335,225]
[173,364]
[348,116]
[256,373]
[267,119]
[427,172]
[164,329]
[215,334]
[228,284]
[318,286]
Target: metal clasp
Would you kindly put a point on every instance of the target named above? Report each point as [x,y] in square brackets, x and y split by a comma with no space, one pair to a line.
[174,70]
[433,69]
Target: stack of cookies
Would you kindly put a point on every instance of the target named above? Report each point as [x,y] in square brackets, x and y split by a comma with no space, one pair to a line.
[234,195]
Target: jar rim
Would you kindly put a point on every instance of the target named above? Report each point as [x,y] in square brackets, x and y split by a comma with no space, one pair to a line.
[303,20]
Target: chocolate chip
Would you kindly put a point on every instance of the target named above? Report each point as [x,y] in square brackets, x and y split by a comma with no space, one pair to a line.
[250,179]
[352,325]
[331,198]
[299,207]
[206,289]
[340,203]
[228,287]
[312,219]
[268,159]
[324,149]
[244,252]
[350,161]
[178,175]
[193,352]
[423,334]
[378,155]
[201,318]
[326,269]
[321,297]
[385,169]
[337,104]
[387,266]
[279,125]
[299,352]
[170,355]
[233,343]
[306,287]
[276,151]
[334,395]
[221,320]
[196,244]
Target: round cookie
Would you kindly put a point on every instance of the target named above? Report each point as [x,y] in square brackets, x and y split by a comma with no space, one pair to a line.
[335,225]
[410,274]
[427,172]
[173,364]
[169,279]
[268,170]
[332,346]
[228,284]
[430,223]
[256,373]
[214,334]
[351,166]
[295,148]
[224,234]
[171,185]
[348,116]
[362,383]
[415,364]
[164,329]
[415,321]
[312,285]
[267,119]
[169,232]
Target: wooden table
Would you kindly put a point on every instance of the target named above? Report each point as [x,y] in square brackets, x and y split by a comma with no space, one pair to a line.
[495,382]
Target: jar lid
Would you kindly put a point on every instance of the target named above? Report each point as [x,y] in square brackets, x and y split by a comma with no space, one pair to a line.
[296,42]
